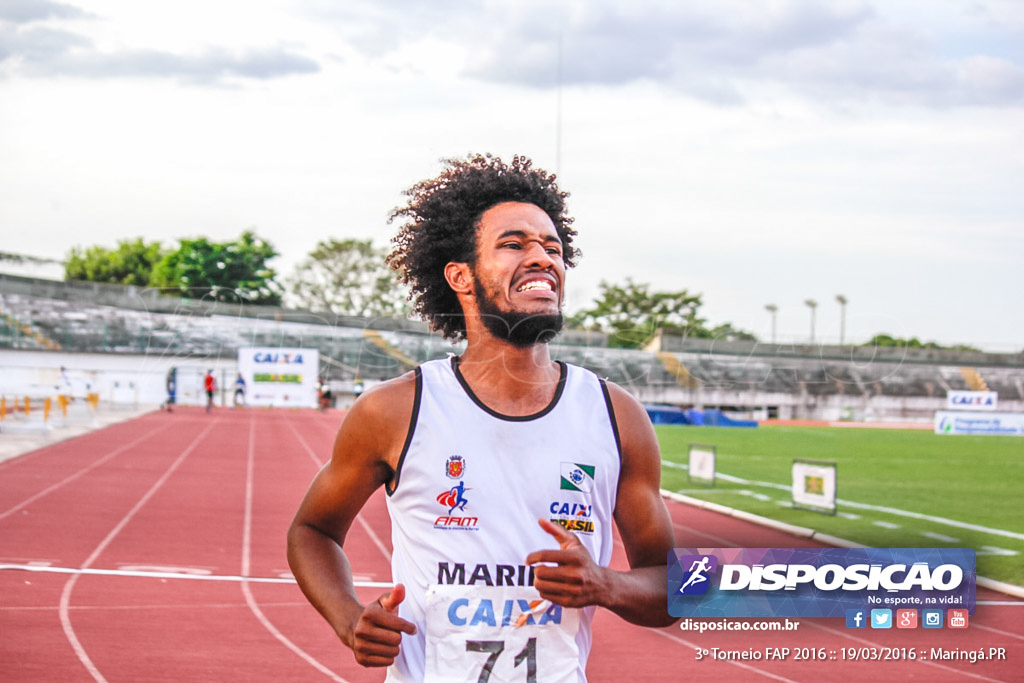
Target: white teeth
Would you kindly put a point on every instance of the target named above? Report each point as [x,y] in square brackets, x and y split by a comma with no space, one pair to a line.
[535,284]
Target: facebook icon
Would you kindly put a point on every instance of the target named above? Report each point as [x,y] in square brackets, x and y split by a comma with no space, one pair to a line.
[856,618]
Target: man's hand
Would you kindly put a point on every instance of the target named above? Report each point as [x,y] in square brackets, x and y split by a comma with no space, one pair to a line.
[575,580]
[378,635]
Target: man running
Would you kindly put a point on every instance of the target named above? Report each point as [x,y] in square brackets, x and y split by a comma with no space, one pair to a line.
[497,586]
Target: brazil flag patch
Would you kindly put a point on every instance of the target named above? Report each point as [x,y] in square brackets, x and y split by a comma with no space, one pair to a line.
[576,477]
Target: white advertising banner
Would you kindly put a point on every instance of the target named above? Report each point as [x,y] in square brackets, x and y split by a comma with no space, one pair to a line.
[279,377]
[971,400]
[1004,424]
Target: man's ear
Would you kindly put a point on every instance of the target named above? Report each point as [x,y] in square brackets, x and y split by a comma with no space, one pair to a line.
[459,277]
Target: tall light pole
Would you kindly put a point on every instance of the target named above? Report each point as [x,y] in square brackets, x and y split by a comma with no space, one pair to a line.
[558,112]
[842,318]
[772,308]
[812,304]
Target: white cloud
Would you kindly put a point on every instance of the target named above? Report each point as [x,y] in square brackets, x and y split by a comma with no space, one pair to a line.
[755,152]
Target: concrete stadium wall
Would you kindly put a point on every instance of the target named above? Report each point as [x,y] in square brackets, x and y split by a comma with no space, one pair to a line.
[152,300]
[117,379]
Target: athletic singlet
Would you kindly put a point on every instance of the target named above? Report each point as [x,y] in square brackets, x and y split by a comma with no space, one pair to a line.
[468,491]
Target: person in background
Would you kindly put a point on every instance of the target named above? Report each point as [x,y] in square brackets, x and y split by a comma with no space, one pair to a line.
[324,392]
[172,389]
[210,385]
[239,391]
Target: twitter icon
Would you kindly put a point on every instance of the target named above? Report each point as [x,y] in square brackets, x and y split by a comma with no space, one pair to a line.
[881,618]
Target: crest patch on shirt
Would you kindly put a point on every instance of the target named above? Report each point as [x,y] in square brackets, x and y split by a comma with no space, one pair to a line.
[577,477]
[455,468]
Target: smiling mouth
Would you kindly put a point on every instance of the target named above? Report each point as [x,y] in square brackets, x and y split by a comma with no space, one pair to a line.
[535,285]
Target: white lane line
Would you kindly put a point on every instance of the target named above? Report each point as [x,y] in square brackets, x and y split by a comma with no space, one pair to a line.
[65,595]
[67,480]
[359,518]
[881,508]
[250,599]
[189,576]
[309,451]
[991,629]
[375,538]
[722,541]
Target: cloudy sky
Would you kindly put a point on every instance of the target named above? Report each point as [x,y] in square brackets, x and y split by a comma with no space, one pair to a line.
[758,152]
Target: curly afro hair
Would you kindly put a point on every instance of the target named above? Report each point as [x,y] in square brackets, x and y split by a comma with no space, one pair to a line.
[441,219]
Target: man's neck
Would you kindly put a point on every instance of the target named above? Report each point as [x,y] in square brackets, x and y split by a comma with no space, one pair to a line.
[509,379]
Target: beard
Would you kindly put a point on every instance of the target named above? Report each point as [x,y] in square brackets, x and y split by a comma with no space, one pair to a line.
[519,329]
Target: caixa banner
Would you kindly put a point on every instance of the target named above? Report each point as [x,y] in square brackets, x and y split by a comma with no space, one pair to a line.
[816,582]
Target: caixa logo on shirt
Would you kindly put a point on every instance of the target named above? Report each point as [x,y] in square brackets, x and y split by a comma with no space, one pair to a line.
[575,517]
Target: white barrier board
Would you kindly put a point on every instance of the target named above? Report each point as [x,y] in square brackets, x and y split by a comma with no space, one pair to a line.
[1001,424]
[814,485]
[702,463]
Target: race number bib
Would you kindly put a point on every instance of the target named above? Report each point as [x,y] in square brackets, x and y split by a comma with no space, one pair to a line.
[499,634]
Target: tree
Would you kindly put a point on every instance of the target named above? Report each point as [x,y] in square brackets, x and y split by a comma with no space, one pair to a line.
[631,313]
[348,277]
[224,271]
[130,263]
[884,339]
[727,332]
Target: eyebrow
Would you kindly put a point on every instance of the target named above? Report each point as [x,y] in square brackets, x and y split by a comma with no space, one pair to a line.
[522,233]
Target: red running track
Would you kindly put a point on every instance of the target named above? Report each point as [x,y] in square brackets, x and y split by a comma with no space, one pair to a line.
[98,535]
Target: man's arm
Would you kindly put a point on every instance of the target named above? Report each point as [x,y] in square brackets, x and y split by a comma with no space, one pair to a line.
[637,595]
[365,446]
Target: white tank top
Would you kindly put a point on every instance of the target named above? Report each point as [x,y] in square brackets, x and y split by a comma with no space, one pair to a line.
[464,504]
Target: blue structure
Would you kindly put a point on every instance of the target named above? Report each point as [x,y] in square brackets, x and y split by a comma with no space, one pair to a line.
[711,418]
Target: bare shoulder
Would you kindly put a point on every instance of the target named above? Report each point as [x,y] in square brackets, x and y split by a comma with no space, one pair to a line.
[635,429]
[640,512]
[387,397]
[377,423]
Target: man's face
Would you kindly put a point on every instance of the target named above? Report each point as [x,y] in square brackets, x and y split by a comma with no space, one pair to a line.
[519,274]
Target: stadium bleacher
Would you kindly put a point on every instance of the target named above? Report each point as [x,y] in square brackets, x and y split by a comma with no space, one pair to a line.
[744,376]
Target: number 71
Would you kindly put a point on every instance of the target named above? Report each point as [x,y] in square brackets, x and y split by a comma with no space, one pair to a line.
[496,647]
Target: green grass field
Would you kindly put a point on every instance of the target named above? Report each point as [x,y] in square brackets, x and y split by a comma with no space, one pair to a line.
[895,488]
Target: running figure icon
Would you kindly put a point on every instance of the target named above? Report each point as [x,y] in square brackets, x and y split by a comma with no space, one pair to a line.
[455,498]
[697,573]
